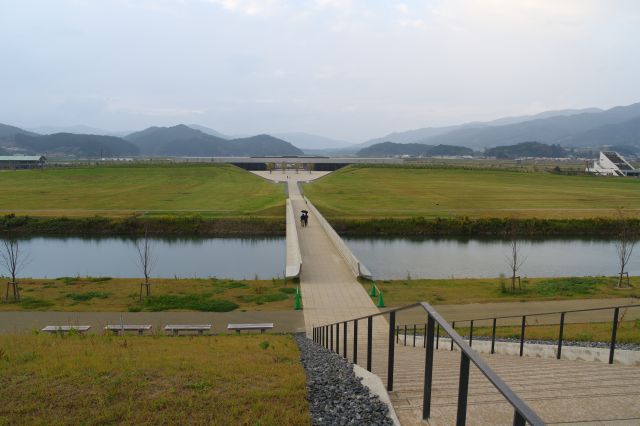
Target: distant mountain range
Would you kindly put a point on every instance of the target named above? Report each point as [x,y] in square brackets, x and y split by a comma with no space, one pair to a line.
[589,127]
[585,128]
[308,141]
[183,140]
[178,140]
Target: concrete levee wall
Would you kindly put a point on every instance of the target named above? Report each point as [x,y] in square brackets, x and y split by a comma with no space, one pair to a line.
[294,257]
[358,269]
[569,352]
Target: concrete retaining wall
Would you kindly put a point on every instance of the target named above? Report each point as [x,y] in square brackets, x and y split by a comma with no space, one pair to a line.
[574,353]
[294,257]
[358,269]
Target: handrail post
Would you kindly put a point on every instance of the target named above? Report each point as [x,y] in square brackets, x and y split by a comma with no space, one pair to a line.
[338,338]
[493,337]
[471,334]
[331,337]
[344,341]
[369,342]
[323,339]
[518,420]
[397,335]
[355,341]
[559,354]
[424,336]
[524,322]
[463,389]
[437,335]
[453,325]
[614,332]
[428,369]
[414,335]
[392,347]
[405,334]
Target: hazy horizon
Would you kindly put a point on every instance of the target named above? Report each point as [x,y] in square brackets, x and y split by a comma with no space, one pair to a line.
[349,70]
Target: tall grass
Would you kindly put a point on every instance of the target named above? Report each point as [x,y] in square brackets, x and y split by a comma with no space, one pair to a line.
[92,380]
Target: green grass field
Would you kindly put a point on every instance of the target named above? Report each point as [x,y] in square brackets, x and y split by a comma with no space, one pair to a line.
[378,192]
[105,294]
[211,190]
[488,290]
[90,380]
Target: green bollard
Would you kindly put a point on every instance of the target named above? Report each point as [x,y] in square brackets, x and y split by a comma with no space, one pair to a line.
[298,305]
[380,300]
[373,293]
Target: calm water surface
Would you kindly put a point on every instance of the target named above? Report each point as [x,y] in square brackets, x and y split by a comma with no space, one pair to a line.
[445,258]
[265,257]
[186,258]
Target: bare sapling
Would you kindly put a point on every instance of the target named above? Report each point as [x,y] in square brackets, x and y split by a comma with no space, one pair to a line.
[515,260]
[144,248]
[625,243]
[12,259]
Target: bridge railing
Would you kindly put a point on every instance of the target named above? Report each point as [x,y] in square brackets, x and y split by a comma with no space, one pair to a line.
[357,267]
[469,325]
[324,335]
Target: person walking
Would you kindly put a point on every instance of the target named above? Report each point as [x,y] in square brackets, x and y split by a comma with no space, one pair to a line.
[306,219]
[302,220]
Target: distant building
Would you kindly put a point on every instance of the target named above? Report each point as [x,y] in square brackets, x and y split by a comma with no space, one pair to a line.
[22,161]
[611,163]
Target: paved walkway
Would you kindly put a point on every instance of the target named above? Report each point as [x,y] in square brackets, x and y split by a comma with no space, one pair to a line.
[284,321]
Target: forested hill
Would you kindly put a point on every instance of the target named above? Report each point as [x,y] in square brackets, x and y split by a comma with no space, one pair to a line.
[183,140]
[76,145]
[527,149]
[390,149]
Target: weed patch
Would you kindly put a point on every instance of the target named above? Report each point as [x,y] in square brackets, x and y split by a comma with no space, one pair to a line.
[31,303]
[194,302]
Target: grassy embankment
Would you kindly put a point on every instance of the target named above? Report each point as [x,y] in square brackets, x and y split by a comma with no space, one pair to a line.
[117,295]
[488,290]
[472,202]
[120,200]
[461,291]
[249,379]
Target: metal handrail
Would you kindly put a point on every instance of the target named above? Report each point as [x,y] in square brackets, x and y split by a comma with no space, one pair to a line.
[551,313]
[324,335]
[523,325]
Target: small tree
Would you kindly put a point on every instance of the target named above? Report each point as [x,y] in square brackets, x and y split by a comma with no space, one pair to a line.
[625,244]
[296,166]
[515,260]
[310,167]
[284,167]
[13,259]
[270,167]
[144,247]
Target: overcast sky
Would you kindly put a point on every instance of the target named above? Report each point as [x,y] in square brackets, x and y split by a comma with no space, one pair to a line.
[345,69]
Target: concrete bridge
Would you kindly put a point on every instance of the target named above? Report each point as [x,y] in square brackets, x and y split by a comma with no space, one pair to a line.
[560,391]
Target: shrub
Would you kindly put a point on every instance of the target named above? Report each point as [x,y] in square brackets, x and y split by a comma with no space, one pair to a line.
[84,297]
[32,303]
[194,302]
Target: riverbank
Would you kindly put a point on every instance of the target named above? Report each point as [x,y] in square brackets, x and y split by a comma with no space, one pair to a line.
[494,227]
[135,225]
[106,294]
[254,226]
[497,290]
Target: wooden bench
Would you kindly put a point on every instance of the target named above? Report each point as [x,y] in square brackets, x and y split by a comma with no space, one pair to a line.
[122,328]
[177,328]
[239,327]
[66,328]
